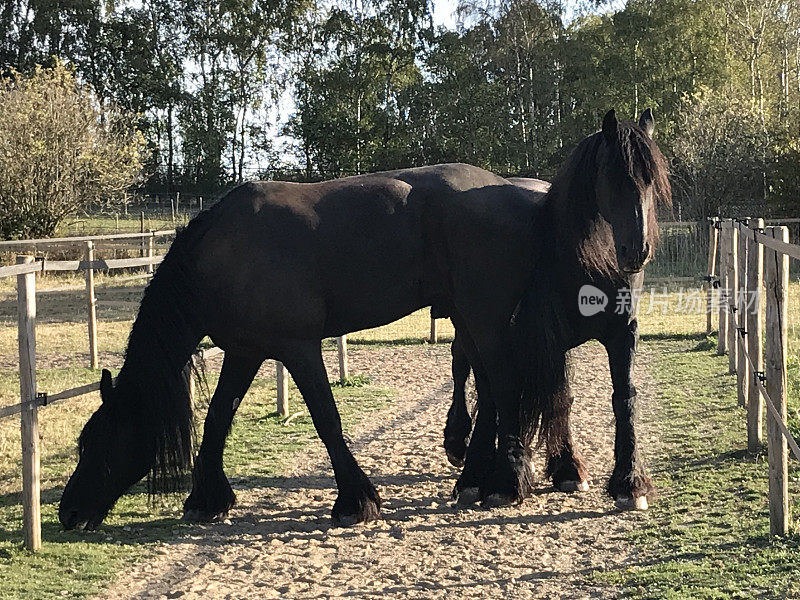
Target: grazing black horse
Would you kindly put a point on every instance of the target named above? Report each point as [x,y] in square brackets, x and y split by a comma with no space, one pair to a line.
[275,267]
[584,258]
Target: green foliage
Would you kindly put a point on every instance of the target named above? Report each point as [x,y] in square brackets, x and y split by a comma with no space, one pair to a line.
[373,85]
[58,151]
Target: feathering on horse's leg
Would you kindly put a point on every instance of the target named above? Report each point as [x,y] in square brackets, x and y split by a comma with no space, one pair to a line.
[479,458]
[564,464]
[474,479]
[512,475]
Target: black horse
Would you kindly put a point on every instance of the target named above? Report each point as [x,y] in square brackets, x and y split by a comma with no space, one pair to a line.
[585,274]
[275,267]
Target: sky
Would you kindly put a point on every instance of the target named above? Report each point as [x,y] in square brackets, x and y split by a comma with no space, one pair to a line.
[444,13]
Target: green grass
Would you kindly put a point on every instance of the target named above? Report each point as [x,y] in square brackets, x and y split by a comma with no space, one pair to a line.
[707,535]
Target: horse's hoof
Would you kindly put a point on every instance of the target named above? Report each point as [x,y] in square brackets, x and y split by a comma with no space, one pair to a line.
[369,512]
[195,515]
[498,500]
[638,503]
[350,511]
[455,460]
[573,486]
[456,450]
[467,496]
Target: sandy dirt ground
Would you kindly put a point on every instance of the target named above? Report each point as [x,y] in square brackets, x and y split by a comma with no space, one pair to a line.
[279,541]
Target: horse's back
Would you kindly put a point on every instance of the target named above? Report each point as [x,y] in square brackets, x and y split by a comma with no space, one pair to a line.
[321,259]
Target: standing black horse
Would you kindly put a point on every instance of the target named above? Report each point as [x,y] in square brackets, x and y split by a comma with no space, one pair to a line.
[275,267]
[598,296]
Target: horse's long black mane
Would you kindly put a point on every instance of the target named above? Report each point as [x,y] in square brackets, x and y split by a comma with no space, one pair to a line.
[579,234]
[152,385]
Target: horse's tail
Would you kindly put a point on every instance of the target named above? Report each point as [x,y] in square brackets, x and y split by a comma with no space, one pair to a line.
[154,379]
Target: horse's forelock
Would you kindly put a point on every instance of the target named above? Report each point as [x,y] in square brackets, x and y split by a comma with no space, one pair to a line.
[645,162]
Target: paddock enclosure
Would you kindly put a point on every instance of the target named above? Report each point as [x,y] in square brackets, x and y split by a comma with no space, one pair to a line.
[67,306]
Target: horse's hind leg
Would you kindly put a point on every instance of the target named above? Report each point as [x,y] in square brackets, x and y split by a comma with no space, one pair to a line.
[630,484]
[481,450]
[212,497]
[459,421]
[358,499]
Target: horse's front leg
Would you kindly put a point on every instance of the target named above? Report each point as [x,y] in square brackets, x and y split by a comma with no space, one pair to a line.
[480,453]
[564,464]
[459,421]
[630,485]
[474,478]
[212,497]
[511,478]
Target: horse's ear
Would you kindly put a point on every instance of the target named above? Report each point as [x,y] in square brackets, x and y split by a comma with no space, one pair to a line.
[106,385]
[610,125]
[647,122]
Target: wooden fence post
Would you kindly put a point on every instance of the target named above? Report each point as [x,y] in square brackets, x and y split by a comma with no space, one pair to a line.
[151,249]
[91,301]
[777,287]
[282,384]
[29,417]
[755,403]
[713,235]
[742,367]
[722,294]
[191,383]
[341,346]
[733,286]
[143,249]
[434,331]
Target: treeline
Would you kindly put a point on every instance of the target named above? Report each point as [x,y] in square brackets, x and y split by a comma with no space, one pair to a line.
[369,85]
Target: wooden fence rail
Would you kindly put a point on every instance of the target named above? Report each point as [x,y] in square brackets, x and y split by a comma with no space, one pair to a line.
[754,262]
[12,245]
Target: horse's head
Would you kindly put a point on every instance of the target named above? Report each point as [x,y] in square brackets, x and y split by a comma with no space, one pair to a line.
[114,454]
[631,178]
